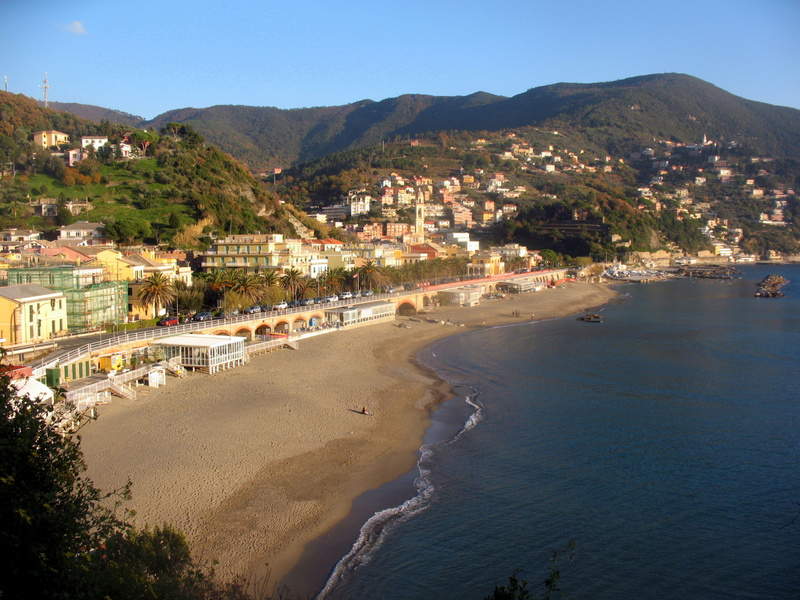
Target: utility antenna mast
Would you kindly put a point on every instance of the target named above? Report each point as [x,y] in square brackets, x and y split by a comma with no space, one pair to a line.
[5,83]
[45,86]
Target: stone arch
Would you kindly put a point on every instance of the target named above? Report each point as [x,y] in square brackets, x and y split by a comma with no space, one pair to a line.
[222,332]
[299,323]
[426,301]
[245,332]
[281,327]
[406,308]
[263,329]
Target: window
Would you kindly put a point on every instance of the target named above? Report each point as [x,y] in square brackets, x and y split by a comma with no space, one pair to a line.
[53,304]
[30,312]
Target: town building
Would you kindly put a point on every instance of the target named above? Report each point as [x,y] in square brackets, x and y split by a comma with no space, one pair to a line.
[30,314]
[260,252]
[93,141]
[91,302]
[50,138]
[83,232]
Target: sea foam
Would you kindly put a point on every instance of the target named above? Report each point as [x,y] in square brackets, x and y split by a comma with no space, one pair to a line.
[378,526]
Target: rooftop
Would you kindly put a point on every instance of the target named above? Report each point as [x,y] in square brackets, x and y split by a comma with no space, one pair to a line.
[27,292]
[82,225]
[199,340]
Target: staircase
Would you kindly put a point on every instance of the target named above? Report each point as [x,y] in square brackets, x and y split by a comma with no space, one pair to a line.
[175,368]
[122,391]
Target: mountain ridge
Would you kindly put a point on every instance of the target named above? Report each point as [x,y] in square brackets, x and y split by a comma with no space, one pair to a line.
[618,115]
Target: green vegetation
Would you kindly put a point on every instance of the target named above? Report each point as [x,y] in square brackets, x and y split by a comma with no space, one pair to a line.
[175,180]
[62,538]
[617,116]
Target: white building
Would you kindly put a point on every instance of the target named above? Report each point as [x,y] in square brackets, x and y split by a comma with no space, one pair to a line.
[82,230]
[359,203]
[95,141]
[208,353]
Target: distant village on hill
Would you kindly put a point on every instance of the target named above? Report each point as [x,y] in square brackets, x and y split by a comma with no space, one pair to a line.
[97,223]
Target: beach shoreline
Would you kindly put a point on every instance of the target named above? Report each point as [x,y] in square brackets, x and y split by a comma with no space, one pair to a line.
[256,463]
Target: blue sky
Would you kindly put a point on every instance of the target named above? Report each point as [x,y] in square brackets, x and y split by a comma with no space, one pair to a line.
[147,57]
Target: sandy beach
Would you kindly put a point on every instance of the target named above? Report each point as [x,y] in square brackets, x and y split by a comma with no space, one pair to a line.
[255,463]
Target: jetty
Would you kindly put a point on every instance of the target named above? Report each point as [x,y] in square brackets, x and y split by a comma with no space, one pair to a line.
[709,272]
[770,287]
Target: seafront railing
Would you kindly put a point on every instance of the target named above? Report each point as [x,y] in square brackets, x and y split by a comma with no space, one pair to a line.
[159,332]
[68,356]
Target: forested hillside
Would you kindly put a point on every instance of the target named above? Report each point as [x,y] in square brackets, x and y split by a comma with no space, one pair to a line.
[617,115]
[173,179]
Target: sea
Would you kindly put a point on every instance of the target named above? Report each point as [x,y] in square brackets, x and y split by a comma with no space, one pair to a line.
[653,455]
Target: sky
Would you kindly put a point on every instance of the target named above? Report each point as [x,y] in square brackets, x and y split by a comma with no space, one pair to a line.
[147,57]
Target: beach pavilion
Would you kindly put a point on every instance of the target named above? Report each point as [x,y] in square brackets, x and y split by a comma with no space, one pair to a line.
[208,353]
[360,313]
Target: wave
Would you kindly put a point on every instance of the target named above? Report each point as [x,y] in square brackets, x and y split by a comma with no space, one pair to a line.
[374,531]
[475,418]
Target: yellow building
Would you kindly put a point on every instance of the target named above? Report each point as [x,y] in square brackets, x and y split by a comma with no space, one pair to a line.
[115,266]
[51,137]
[485,264]
[30,314]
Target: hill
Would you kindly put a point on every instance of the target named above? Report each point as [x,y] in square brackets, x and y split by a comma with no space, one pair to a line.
[618,115]
[564,193]
[173,179]
[97,113]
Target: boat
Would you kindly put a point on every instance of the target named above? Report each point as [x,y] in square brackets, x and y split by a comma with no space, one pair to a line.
[591,318]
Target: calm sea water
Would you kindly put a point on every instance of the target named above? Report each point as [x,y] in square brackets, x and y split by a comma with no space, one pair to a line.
[665,442]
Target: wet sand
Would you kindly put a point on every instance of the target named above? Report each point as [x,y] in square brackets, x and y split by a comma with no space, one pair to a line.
[255,463]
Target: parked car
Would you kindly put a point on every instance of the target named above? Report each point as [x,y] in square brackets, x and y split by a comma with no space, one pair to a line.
[252,310]
[308,302]
[203,316]
[168,321]
[332,298]
[367,293]
[280,306]
[346,295]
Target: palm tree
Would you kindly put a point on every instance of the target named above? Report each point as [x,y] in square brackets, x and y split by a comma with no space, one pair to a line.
[269,278]
[218,281]
[335,279]
[290,281]
[248,286]
[157,290]
[369,275]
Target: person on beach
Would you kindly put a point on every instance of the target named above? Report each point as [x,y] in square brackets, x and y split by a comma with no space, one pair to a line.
[364,410]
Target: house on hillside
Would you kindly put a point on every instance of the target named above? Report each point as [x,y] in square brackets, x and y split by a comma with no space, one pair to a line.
[50,138]
[93,141]
[83,232]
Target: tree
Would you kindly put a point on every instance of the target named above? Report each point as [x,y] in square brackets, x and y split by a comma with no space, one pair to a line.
[60,539]
[369,275]
[248,286]
[143,139]
[50,516]
[290,281]
[156,290]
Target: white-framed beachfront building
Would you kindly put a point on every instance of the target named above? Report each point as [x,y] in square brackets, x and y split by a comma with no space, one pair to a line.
[463,296]
[519,286]
[361,313]
[208,353]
